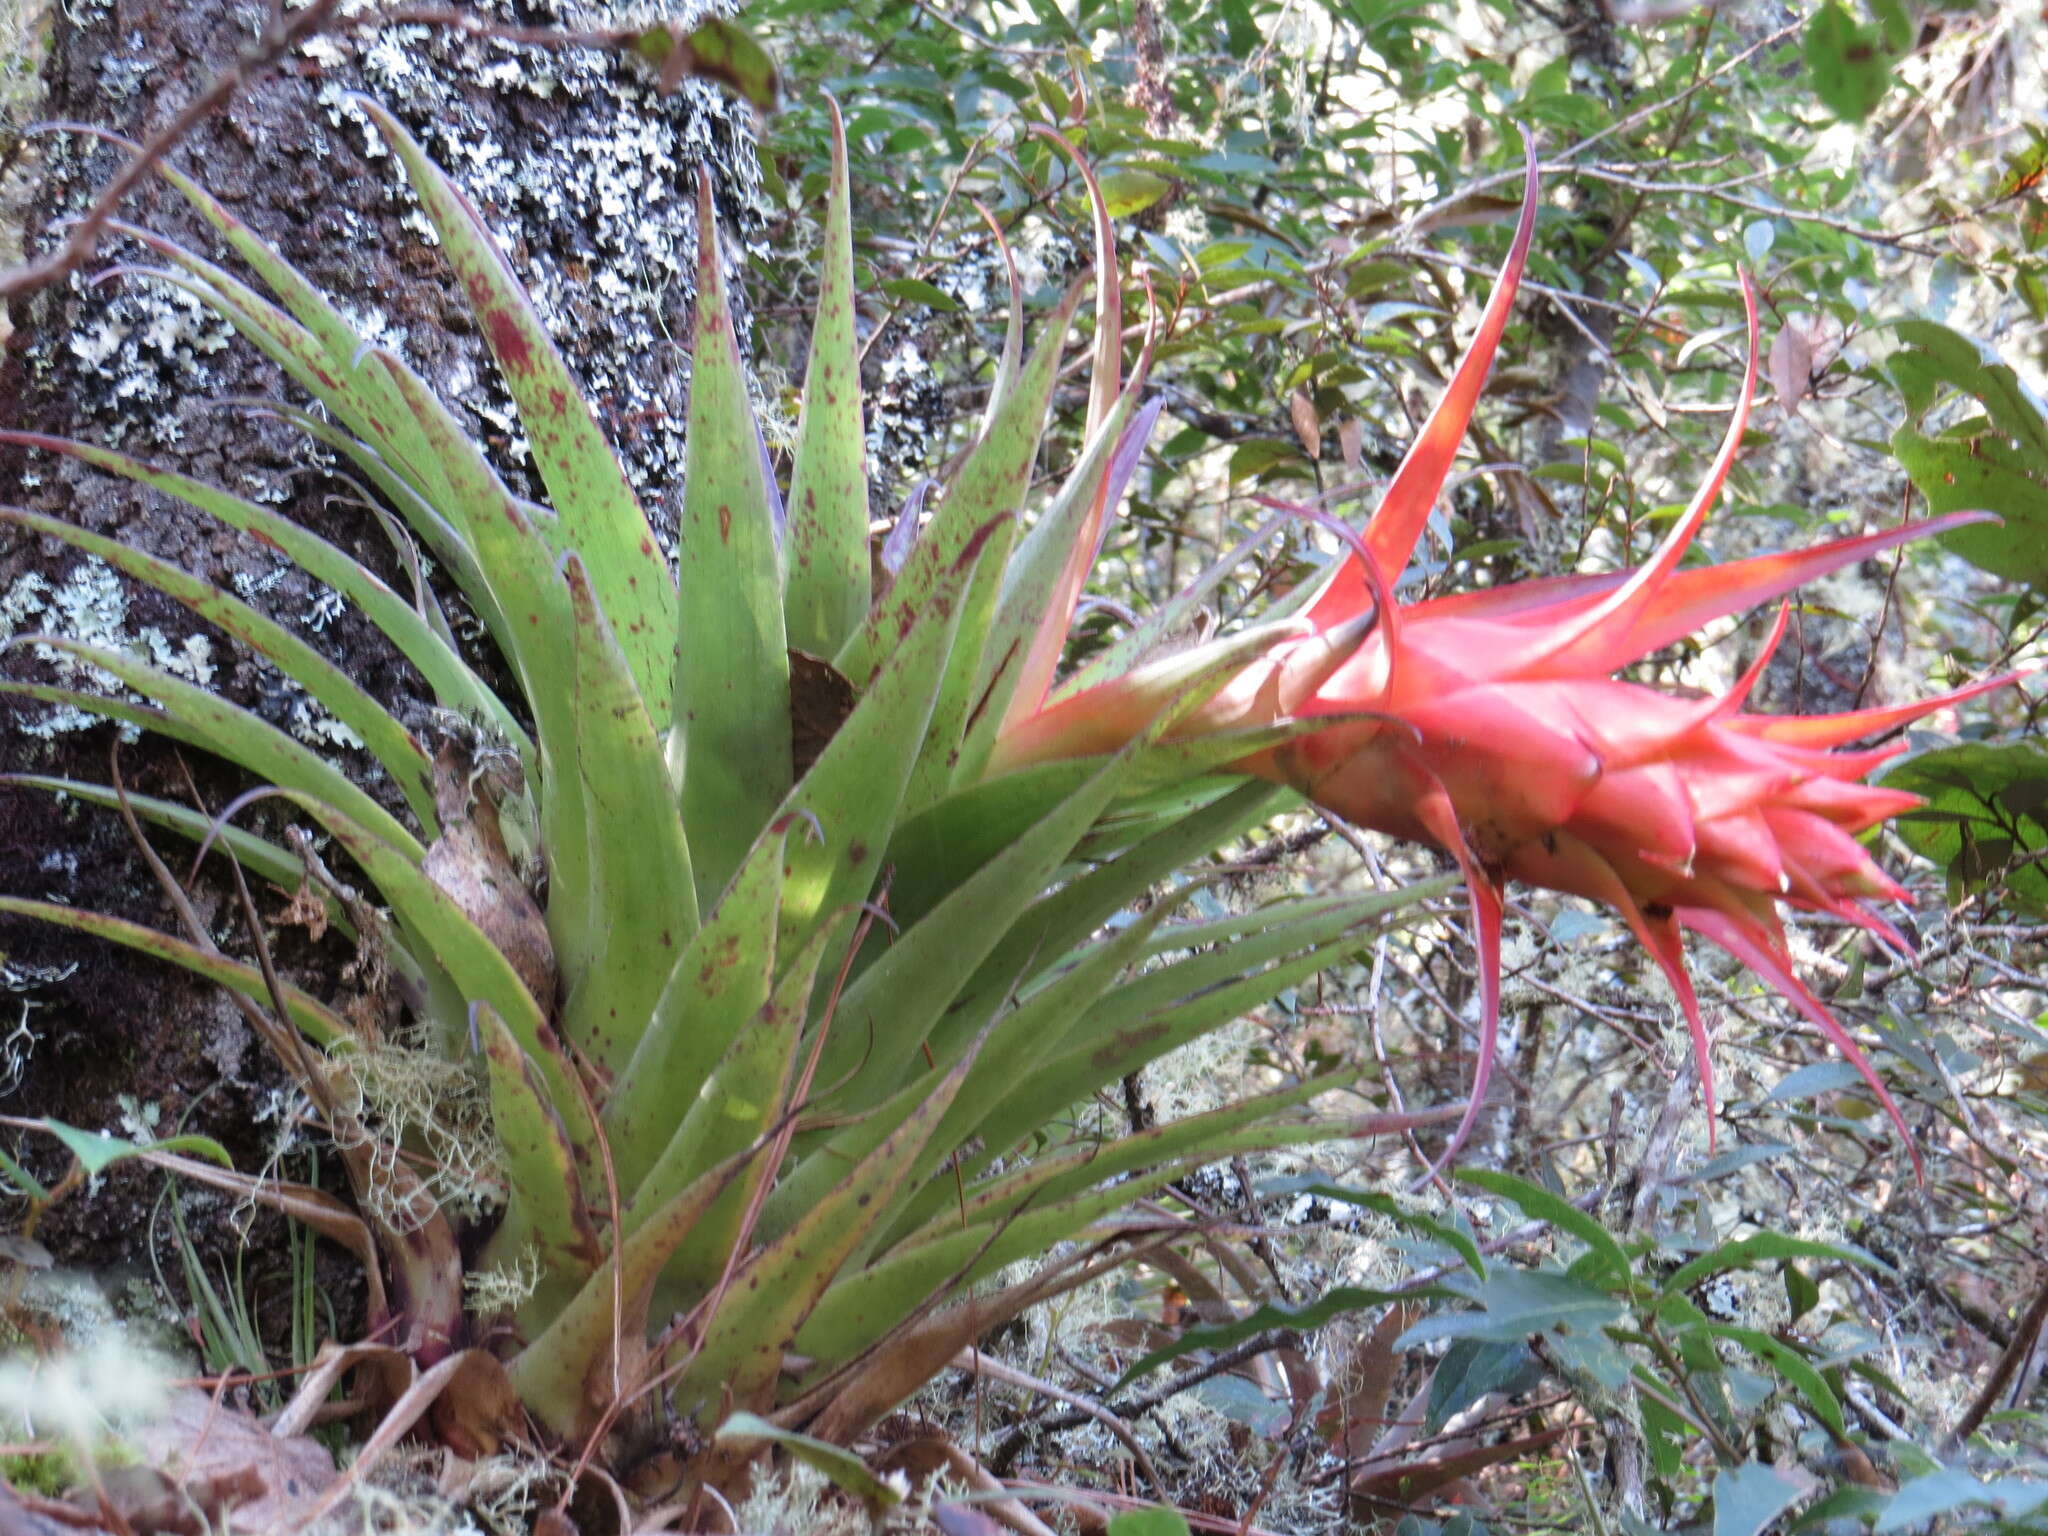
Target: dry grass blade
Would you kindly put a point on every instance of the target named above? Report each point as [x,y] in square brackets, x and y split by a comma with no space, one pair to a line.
[413,1404]
[308,1404]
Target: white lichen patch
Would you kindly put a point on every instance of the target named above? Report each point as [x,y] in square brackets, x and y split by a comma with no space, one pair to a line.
[91,606]
[598,217]
[138,346]
[906,412]
[123,74]
[79,1394]
[503,1288]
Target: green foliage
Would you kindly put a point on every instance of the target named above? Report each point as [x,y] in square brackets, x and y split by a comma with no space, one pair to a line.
[1986,816]
[1626,1328]
[1851,64]
[1149,1522]
[1991,460]
[731,1071]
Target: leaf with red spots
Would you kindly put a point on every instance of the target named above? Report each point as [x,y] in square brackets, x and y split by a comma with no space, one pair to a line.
[386,740]
[730,743]
[712,992]
[851,799]
[827,593]
[640,865]
[545,1206]
[994,480]
[601,519]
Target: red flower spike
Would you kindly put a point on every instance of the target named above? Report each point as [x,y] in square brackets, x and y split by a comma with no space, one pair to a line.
[1489,724]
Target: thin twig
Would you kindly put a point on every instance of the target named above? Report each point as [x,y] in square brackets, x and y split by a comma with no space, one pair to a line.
[283,32]
[976,1363]
[2024,1340]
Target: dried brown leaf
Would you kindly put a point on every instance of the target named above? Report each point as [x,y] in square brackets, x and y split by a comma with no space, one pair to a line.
[1308,423]
[216,1467]
[1791,364]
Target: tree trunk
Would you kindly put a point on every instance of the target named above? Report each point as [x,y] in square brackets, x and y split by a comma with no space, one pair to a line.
[582,167]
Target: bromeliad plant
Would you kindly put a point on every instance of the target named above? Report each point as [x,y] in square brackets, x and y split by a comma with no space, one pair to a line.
[795,976]
[1490,724]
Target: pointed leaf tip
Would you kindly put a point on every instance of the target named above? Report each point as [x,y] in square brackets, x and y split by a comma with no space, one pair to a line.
[1404,511]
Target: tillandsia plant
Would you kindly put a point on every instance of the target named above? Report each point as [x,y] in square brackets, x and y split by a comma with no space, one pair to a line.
[720,920]
[1490,724]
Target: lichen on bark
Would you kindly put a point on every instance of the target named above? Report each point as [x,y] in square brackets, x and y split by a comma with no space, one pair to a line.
[580,165]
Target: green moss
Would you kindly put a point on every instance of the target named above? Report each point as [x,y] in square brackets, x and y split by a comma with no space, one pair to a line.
[48,1474]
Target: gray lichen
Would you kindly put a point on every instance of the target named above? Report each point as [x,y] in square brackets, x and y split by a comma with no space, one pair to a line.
[599,217]
[90,605]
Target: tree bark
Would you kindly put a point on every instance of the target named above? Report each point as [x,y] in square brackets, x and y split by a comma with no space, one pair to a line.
[582,167]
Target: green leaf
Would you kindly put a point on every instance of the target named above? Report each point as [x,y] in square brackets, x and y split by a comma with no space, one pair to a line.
[842,1468]
[1473,1368]
[1024,1214]
[434,525]
[1109,1043]
[713,990]
[1794,1367]
[1802,1292]
[938,766]
[1514,1303]
[1149,1522]
[887,1016]
[198,715]
[24,1182]
[1848,1502]
[323,351]
[915,290]
[552,1373]
[545,1207]
[1338,1301]
[1040,586]
[1986,817]
[1813,1079]
[454,685]
[601,519]
[360,398]
[637,853]
[1013,1053]
[775,1292]
[1540,1204]
[515,556]
[309,1016]
[730,749]
[1996,461]
[1848,64]
[1951,1489]
[849,801]
[1747,1499]
[262,858]
[828,579]
[97,1152]
[1128,189]
[744,1100]
[382,736]
[1454,1234]
[990,484]
[1761,1248]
